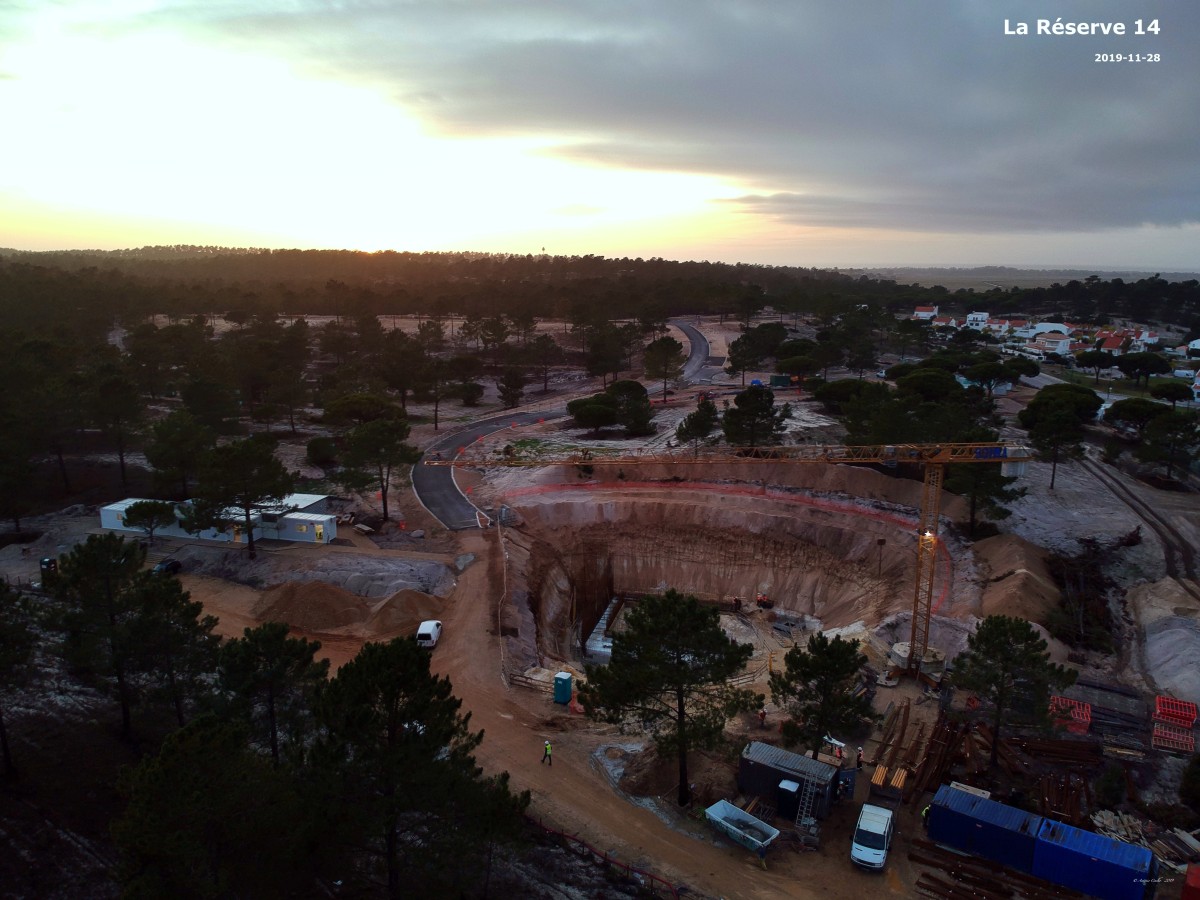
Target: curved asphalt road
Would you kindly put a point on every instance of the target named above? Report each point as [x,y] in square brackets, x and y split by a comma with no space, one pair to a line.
[434,485]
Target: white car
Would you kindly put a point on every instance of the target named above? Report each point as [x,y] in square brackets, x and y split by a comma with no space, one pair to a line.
[872,837]
[429,633]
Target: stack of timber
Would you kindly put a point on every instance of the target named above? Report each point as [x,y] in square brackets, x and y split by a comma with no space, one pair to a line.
[1063,797]
[1009,760]
[1082,753]
[1115,709]
[1174,847]
[944,746]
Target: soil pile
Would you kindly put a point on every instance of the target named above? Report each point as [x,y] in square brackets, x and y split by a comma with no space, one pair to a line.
[402,612]
[311,606]
[1016,579]
[317,606]
[1170,619]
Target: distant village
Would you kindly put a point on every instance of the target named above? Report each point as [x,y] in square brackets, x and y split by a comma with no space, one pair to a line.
[1051,341]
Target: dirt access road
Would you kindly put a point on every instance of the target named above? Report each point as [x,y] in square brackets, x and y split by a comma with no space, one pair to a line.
[575,794]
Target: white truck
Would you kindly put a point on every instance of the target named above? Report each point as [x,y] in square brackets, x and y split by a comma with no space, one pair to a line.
[872,837]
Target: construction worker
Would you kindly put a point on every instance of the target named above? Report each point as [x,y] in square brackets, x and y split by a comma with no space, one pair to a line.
[925,818]
[546,757]
[762,718]
[859,759]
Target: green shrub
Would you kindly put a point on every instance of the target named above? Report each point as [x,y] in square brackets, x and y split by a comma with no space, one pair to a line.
[1110,787]
[1189,785]
[322,451]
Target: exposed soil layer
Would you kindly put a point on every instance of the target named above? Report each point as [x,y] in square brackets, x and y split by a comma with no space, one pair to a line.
[818,551]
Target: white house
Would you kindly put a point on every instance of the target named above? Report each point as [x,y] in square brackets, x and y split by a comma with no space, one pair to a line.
[925,312]
[977,320]
[1053,342]
[301,517]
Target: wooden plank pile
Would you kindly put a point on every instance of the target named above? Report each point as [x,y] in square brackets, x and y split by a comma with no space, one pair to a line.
[1064,797]
[1174,847]
[1082,753]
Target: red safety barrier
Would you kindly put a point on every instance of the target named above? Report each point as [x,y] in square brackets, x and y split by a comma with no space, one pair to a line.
[656,883]
[1073,715]
[844,507]
[1169,711]
[1170,737]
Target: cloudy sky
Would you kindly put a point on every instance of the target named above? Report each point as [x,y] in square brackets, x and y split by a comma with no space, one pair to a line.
[799,132]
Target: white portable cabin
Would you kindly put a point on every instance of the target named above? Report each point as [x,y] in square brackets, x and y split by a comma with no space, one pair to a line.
[305,522]
[113,517]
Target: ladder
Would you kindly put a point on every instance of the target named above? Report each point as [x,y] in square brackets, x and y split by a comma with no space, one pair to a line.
[807,828]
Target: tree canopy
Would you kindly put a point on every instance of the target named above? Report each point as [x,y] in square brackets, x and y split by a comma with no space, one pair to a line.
[242,477]
[1006,664]
[753,419]
[1055,419]
[816,689]
[668,677]
[401,779]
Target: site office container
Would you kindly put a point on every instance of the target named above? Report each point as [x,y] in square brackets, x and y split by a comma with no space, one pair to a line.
[984,827]
[1094,864]
[762,767]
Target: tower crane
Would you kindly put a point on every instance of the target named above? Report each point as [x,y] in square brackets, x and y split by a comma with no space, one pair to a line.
[933,458]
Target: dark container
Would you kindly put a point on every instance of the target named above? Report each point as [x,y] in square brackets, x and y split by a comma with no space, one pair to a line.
[1094,864]
[984,827]
[763,766]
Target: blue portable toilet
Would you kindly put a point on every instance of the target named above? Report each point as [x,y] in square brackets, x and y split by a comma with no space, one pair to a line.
[562,688]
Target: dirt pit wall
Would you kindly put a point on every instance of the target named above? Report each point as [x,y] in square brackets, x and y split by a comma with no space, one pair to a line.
[580,546]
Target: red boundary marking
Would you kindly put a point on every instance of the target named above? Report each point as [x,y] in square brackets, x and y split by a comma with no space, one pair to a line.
[840,506]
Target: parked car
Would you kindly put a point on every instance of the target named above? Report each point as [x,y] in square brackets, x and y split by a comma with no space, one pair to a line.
[429,633]
[872,837]
[168,566]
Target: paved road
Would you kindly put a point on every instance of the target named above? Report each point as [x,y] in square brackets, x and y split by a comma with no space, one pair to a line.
[434,485]
[698,354]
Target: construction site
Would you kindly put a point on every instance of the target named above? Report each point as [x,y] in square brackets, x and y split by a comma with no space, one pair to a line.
[848,541]
[861,542]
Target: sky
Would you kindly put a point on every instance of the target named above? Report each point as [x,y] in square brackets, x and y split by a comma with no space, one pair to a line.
[785,132]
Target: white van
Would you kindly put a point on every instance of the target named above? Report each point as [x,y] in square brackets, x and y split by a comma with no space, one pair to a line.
[872,837]
[429,633]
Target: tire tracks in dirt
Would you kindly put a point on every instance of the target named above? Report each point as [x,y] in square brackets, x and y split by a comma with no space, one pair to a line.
[1178,554]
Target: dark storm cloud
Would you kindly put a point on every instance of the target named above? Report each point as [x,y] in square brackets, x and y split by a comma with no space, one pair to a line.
[878,113]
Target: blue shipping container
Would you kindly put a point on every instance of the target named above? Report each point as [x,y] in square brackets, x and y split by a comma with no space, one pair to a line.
[1101,866]
[984,827]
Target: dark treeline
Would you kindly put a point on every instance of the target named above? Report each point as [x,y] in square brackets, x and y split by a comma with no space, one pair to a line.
[84,287]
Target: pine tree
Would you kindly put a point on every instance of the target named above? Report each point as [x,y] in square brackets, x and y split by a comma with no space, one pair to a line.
[1007,666]
[668,677]
[816,687]
[272,681]
[396,758]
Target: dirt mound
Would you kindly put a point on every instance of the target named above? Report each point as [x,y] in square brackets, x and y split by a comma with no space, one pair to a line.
[402,612]
[1016,579]
[311,606]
